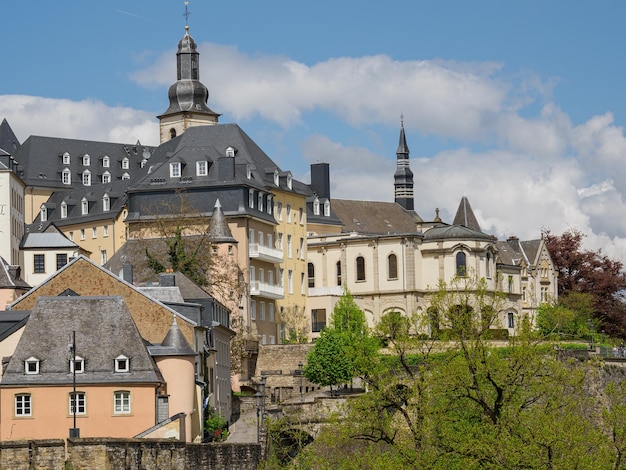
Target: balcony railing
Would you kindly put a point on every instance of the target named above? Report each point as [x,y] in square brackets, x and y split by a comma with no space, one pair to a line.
[331,290]
[262,289]
[265,253]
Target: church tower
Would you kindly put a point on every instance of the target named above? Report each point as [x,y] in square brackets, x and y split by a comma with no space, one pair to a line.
[188,96]
[403,176]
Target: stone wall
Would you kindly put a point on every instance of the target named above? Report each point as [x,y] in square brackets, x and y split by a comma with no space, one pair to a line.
[119,454]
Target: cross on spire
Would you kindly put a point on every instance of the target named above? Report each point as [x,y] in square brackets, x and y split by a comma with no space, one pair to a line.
[186,15]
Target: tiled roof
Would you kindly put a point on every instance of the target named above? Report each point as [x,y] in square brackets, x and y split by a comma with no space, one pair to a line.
[104,330]
[371,217]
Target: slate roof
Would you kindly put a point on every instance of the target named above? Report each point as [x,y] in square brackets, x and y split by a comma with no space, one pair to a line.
[104,330]
[174,344]
[454,232]
[371,217]
[11,321]
[46,239]
[41,162]
[465,216]
[219,232]
[10,276]
[8,141]
[513,251]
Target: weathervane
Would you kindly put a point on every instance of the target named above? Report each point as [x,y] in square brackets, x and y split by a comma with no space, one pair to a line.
[186,15]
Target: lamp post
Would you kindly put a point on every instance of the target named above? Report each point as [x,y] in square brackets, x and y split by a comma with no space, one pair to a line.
[258,396]
[300,368]
[74,432]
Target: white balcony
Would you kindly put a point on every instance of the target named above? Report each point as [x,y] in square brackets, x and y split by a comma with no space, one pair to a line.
[324,291]
[265,253]
[269,291]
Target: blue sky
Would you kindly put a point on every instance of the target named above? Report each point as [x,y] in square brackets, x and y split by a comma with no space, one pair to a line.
[517,105]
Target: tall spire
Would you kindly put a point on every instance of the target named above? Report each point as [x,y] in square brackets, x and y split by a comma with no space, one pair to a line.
[188,96]
[403,176]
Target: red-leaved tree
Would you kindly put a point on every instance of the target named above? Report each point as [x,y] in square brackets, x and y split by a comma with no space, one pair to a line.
[590,272]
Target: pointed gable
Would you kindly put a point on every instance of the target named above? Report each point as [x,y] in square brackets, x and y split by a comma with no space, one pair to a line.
[219,232]
[465,216]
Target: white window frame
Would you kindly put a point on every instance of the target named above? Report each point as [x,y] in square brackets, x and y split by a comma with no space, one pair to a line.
[260,201]
[316,206]
[125,163]
[66,158]
[106,203]
[175,170]
[251,198]
[106,177]
[66,176]
[289,246]
[122,402]
[86,177]
[122,363]
[125,176]
[104,257]
[81,403]
[202,168]
[63,210]
[105,231]
[34,362]
[270,204]
[86,160]
[272,312]
[79,362]
[262,308]
[84,206]
[82,233]
[43,213]
[327,209]
[279,211]
[23,405]
[106,162]
[288,213]
[252,310]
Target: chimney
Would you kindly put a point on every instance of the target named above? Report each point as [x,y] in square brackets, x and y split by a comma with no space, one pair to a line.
[167,280]
[226,168]
[320,180]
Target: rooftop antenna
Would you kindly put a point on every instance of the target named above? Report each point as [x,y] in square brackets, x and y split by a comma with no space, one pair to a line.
[186,15]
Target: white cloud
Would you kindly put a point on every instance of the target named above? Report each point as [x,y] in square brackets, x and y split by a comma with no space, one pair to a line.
[88,120]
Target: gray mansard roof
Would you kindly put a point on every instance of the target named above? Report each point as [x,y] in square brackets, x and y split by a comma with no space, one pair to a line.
[372,217]
[448,232]
[41,160]
[104,330]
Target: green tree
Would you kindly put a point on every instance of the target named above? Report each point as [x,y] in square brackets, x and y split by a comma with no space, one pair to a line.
[327,364]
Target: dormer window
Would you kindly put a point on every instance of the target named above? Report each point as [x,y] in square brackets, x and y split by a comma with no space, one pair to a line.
[106,203]
[260,202]
[276,178]
[289,181]
[248,172]
[202,168]
[125,176]
[251,198]
[270,204]
[86,178]
[106,161]
[44,213]
[84,206]
[175,170]
[66,158]
[316,206]
[64,210]
[106,177]
[122,364]
[125,163]
[230,152]
[77,365]
[86,160]
[31,366]
[66,176]
[327,208]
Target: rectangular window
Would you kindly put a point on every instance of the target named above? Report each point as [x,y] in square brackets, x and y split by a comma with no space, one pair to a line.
[23,405]
[121,402]
[290,281]
[175,170]
[288,213]
[260,201]
[511,318]
[289,251]
[272,315]
[544,293]
[260,238]
[61,260]
[251,198]
[253,310]
[79,401]
[82,233]
[103,256]
[201,168]
[264,340]
[301,216]
[262,311]
[39,263]
[318,320]
[105,231]
[302,284]
[301,249]
[279,211]
[94,232]
[272,339]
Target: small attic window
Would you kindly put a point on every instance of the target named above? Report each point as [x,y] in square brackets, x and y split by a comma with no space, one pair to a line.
[248,172]
[44,213]
[31,366]
[172,133]
[66,158]
[122,364]
[84,206]
[202,168]
[125,176]
[289,181]
[175,170]
[86,160]
[327,208]
[316,206]
[125,163]
[270,204]
[106,177]
[276,178]
[77,365]
[230,151]
[106,161]
[64,210]
[106,203]
[66,176]
[86,178]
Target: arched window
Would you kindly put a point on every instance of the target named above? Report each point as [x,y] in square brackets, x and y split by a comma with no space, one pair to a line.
[392,266]
[172,133]
[106,161]
[338,273]
[360,268]
[488,265]
[86,178]
[66,158]
[511,319]
[461,267]
[311,273]
[84,205]
[106,203]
